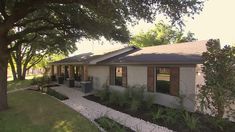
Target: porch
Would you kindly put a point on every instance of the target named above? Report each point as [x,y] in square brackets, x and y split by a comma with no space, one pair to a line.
[73,76]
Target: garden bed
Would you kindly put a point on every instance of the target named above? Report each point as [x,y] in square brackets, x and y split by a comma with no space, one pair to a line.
[177,120]
[110,125]
[55,94]
[50,92]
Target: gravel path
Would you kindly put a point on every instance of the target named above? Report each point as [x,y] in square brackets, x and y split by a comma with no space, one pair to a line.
[93,110]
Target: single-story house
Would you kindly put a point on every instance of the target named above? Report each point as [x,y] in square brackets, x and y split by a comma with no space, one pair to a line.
[171,73]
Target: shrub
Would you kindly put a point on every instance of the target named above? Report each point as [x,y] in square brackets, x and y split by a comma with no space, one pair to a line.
[190,121]
[40,80]
[157,114]
[103,94]
[135,105]
[217,122]
[136,94]
[123,99]
[148,102]
[132,97]
[171,116]
[114,97]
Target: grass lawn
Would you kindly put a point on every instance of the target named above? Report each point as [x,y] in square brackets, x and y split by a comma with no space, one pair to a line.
[32,111]
[18,84]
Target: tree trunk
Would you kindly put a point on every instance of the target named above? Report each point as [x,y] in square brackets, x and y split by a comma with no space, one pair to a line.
[24,72]
[19,70]
[4,55]
[13,70]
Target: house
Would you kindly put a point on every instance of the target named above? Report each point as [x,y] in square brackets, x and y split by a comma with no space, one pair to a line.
[171,73]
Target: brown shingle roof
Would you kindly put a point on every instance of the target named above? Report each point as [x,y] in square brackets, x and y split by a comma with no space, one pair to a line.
[181,53]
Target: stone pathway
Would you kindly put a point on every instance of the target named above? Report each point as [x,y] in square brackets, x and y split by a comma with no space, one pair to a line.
[93,110]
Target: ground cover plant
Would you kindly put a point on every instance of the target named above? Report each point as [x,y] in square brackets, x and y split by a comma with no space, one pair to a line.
[111,126]
[134,103]
[55,94]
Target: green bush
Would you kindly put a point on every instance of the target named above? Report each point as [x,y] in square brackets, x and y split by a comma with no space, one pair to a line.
[190,121]
[40,80]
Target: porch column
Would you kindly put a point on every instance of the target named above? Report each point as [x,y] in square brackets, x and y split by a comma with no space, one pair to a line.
[52,70]
[71,76]
[85,73]
[60,79]
[71,72]
[53,78]
[58,70]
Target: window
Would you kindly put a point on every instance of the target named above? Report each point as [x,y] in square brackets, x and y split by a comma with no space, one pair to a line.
[163,77]
[118,76]
[167,80]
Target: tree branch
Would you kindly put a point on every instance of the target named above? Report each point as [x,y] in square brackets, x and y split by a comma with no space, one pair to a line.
[25,22]
[35,62]
[3,9]
[29,30]
[19,42]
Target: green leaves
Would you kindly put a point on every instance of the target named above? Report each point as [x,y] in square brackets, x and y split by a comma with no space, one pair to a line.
[161,34]
[218,93]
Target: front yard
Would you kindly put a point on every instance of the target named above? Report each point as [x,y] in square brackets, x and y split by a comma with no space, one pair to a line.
[32,111]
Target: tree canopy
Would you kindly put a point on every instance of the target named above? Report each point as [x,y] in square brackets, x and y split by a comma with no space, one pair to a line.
[22,20]
[161,34]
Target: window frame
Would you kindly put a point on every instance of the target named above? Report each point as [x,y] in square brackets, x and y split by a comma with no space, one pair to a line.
[156,80]
[170,80]
[115,76]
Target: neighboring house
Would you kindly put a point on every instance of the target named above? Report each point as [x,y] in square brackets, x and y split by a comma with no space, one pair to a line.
[169,72]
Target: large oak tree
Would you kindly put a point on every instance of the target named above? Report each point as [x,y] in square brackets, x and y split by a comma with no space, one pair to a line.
[36,49]
[20,19]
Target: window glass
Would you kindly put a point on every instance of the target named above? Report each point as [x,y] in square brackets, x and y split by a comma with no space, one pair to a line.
[118,76]
[163,80]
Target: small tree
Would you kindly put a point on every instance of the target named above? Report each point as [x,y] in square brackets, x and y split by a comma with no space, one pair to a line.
[218,93]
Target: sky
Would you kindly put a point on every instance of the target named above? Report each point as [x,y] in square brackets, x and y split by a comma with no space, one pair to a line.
[217,20]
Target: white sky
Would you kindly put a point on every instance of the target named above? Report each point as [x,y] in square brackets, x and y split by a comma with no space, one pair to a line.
[217,20]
